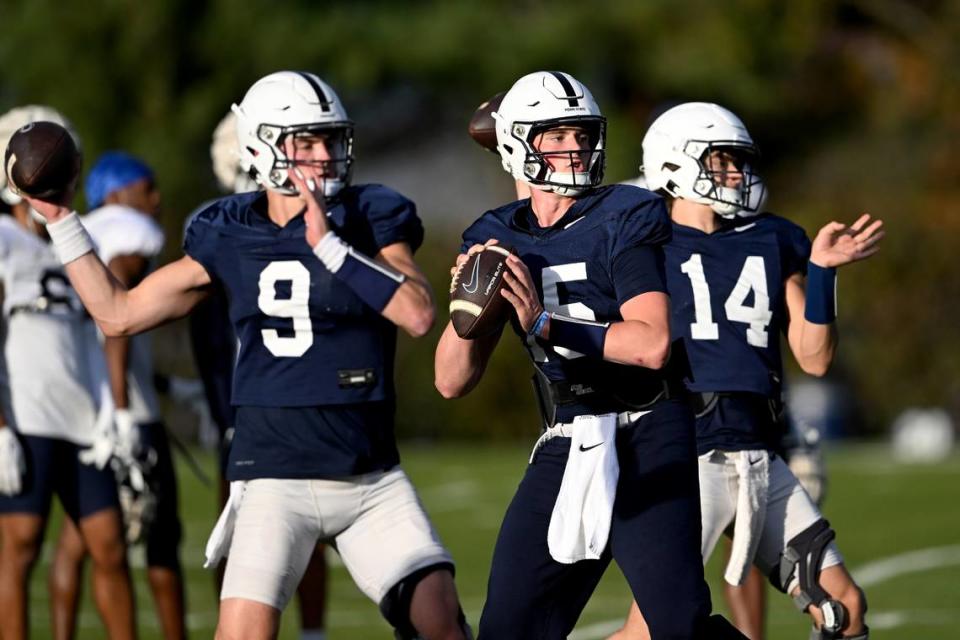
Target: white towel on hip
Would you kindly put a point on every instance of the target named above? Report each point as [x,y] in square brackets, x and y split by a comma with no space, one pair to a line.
[753,470]
[218,544]
[580,522]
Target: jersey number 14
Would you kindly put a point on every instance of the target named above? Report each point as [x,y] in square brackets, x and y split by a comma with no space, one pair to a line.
[753,277]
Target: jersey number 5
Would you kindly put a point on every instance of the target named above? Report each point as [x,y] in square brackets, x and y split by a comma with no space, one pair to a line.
[753,277]
[295,307]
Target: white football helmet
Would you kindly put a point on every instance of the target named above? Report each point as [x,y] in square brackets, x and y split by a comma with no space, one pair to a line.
[676,147]
[18,117]
[285,103]
[536,103]
[225,155]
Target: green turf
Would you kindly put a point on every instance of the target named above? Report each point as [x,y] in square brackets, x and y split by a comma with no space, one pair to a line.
[880,509]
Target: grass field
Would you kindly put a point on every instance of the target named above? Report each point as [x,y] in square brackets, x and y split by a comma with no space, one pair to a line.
[882,510]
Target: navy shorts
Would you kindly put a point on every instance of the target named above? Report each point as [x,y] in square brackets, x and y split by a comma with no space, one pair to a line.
[54,468]
[164,536]
[654,538]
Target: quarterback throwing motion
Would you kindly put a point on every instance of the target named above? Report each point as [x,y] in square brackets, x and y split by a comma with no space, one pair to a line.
[614,474]
[319,274]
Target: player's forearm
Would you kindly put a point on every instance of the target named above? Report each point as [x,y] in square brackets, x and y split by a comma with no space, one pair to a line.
[104,297]
[637,343]
[459,364]
[117,352]
[815,347]
[411,307]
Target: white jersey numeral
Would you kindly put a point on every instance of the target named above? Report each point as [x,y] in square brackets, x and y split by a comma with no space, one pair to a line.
[550,277]
[753,277]
[295,307]
[704,328]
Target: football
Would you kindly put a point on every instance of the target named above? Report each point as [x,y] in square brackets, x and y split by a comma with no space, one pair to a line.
[42,160]
[477,307]
[482,127]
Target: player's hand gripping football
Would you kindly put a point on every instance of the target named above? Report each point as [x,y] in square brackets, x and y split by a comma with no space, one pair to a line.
[315,215]
[457,268]
[521,292]
[837,244]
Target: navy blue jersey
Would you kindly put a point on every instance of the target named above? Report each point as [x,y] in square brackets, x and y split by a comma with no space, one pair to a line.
[306,341]
[729,307]
[583,267]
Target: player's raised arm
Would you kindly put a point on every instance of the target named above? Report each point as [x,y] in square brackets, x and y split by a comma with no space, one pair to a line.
[392,283]
[166,294]
[812,301]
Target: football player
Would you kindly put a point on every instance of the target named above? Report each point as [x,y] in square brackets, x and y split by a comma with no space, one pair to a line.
[215,348]
[56,403]
[739,279]
[319,274]
[614,474]
[123,200]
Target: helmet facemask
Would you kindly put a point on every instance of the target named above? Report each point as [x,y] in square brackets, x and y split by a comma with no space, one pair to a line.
[538,165]
[334,172]
[722,163]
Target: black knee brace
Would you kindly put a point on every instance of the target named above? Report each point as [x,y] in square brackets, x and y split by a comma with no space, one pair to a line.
[395,606]
[803,556]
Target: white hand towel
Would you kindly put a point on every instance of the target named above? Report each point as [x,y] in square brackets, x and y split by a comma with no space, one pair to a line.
[753,469]
[580,522]
[218,545]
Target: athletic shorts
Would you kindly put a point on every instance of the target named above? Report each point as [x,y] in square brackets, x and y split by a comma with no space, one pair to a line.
[375,521]
[165,532]
[789,509]
[53,467]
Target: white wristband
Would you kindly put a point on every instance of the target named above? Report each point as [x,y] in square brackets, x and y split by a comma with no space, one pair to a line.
[69,238]
[332,251]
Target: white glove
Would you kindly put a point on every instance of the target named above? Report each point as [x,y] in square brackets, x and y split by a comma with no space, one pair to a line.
[12,464]
[808,466]
[115,436]
[128,435]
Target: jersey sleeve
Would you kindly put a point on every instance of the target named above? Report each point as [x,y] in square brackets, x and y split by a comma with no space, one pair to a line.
[393,218]
[795,249]
[200,240]
[637,260]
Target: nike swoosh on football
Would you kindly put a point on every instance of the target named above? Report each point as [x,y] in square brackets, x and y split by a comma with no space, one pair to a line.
[593,446]
[471,287]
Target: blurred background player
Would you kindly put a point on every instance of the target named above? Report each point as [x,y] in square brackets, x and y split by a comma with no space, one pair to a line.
[739,279]
[319,274]
[215,349]
[55,379]
[123,202]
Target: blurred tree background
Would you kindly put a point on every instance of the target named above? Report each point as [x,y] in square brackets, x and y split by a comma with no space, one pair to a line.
[855,103]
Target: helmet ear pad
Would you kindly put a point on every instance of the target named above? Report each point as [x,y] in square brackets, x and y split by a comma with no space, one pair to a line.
[287,103]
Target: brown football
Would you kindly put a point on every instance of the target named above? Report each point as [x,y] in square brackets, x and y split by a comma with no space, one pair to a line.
[482,127]
[477,307]
[42,160]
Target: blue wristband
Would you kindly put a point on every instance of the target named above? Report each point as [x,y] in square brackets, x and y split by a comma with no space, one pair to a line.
[373,282]
[536,330]
[821,307]
[583,336]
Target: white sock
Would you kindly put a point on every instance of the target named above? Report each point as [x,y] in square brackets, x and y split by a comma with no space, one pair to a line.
[313,634]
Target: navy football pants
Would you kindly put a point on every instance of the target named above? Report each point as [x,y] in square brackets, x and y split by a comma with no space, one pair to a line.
[654,538]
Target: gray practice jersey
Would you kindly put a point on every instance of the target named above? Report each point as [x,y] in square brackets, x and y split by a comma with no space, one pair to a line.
[55,373]
[118,230]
